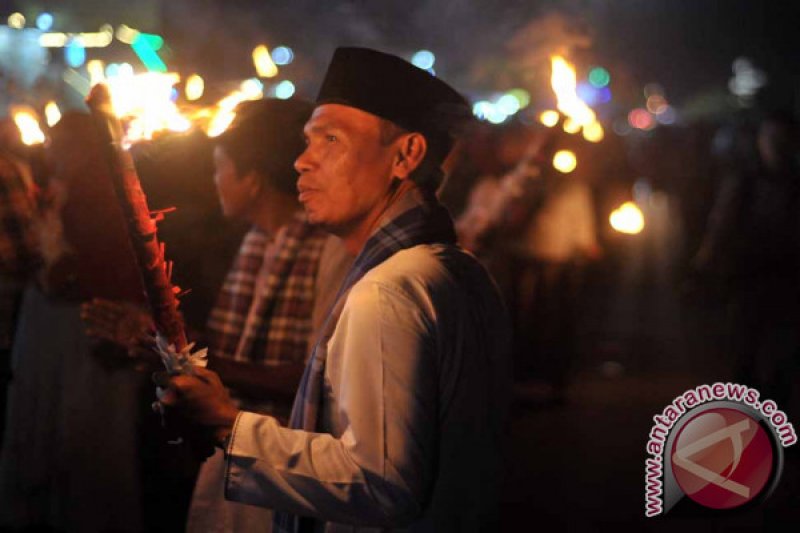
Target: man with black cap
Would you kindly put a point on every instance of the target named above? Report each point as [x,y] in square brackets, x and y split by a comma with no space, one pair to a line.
[399,416]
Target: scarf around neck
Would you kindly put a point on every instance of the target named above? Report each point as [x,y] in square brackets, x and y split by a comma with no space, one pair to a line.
[413,220]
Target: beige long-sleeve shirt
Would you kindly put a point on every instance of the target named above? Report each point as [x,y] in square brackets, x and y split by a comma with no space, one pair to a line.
[416,382]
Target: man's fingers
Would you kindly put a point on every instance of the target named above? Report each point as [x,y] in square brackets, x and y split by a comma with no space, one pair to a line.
[167,397]
[206,375]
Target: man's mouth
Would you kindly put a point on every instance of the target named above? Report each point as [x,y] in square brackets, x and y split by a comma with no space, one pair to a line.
[304,192]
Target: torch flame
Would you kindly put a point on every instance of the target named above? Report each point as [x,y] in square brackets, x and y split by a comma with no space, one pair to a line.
[564,82]
[145,101]
[29,129]
[627,218]
[52,113]
[225,113]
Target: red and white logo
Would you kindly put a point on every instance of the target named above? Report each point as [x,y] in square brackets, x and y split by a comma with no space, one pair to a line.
[722,458]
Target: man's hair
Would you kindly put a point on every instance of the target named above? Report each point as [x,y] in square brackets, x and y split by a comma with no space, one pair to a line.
[267,138]
[428,175]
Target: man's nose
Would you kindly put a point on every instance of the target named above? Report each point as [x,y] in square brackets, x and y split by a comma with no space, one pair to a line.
[303,163]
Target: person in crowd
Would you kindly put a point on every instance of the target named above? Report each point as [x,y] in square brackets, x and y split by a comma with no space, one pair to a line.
[18,257]
[751,242]
[398,421]
[535,226]
[71,449]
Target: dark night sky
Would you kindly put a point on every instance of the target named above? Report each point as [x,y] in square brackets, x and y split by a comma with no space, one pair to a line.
[686,45]
[689,45]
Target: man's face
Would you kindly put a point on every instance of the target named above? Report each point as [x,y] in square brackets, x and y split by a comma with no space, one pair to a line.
[236,193]
[345,171]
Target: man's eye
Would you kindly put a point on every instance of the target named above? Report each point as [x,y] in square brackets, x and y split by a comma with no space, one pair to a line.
[331,138]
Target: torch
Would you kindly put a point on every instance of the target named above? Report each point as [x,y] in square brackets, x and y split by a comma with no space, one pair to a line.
[142,228]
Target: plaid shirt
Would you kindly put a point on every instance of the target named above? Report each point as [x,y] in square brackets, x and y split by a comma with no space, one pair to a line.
[18,250]
[263,313]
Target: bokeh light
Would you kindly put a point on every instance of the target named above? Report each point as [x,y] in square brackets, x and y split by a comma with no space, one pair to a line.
[571,126]
[627,218]
[265,66]
[667,117]
[599,77]
[508,104]
[195,87]
[44,21]
[549,118]
[96,70]
[52,113]
[641,119]
[496,115]
[423,59]
[565,161]
[282,55]
[482,108]
[75,54]
[16,21]
[28,125]
[284,90]
[656,104]
[252,88]
[112,70]
[594,132]
[588,93]
[126,34]
[522,96]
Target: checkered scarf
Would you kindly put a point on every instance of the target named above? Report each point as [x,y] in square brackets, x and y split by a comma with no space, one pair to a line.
[414,220]
[263,313]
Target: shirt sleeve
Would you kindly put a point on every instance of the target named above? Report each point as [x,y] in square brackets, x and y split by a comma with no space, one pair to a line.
[380,395]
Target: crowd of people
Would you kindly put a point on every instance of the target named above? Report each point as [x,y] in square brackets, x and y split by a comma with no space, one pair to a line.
[361,342]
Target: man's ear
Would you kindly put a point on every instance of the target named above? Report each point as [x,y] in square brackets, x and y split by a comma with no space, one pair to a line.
[411,150]
[254,183]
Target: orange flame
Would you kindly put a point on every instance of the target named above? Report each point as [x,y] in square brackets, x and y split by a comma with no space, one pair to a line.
[28,124]
[564,82]
[145,101]
[224,114]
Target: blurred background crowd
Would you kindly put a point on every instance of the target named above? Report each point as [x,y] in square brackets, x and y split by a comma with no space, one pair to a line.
[631,179]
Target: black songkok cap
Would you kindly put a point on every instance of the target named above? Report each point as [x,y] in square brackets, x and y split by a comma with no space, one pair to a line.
[392,88]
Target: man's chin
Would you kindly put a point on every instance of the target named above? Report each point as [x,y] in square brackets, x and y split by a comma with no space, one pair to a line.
[323,224]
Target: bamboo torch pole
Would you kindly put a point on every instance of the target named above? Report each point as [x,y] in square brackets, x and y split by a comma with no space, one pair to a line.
[142,226]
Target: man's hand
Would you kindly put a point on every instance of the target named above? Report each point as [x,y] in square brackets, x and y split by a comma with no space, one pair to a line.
[200,398]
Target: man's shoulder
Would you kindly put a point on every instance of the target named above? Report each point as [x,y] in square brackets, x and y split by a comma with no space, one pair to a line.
[421,260]
[429,268]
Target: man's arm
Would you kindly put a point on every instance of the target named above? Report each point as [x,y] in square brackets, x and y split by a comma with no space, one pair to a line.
[381,399]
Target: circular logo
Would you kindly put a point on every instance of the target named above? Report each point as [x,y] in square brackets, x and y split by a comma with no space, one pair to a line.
[722,458]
